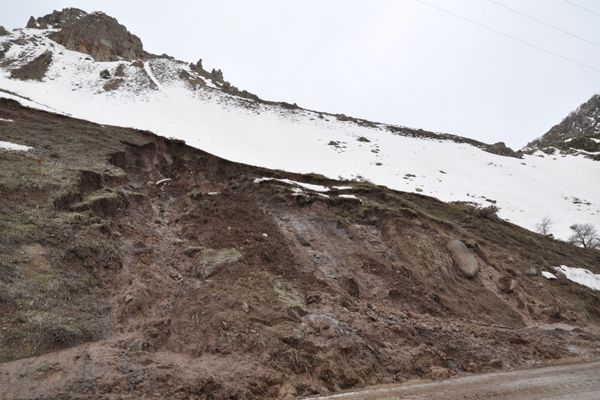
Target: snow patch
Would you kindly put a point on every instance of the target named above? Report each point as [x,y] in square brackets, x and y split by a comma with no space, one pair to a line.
[160,182]
[13,146]
[6,120]
[350,196]
[548,275]
[309,186]
[580,275]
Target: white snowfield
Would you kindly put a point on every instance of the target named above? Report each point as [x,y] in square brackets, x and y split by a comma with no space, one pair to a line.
[155,98]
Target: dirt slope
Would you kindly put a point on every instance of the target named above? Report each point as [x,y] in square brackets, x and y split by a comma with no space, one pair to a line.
[133,266]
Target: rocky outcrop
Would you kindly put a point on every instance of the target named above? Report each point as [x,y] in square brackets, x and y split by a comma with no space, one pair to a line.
[463,259]
[502,149]
[100,36]
[31,23]
[3,31]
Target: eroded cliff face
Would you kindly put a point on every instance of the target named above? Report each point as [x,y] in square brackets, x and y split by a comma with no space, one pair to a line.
[100,36]
[135,265]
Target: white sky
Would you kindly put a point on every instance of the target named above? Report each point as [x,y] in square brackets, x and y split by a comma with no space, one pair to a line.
[395,61]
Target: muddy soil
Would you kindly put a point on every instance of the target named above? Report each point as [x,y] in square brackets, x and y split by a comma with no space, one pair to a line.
[133,266]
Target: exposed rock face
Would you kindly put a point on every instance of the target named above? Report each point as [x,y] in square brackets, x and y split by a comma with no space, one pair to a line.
[100,36]
[583,122]
[3,31]
[57,19]
[464,260]
[35,70]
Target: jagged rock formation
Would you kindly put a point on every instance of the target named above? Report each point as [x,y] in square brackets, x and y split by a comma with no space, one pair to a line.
[57,19]
[95,34]
[3,31]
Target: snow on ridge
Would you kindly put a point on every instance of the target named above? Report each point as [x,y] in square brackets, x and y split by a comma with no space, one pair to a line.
[526,190]
[13,146]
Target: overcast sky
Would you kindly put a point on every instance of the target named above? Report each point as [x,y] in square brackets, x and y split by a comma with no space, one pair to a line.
[397,61]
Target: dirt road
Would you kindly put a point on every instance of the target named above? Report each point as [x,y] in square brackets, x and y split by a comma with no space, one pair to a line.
[565,382]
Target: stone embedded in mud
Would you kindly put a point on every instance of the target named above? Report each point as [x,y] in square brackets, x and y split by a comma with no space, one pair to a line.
[463,258]
[211,261]
[507,284]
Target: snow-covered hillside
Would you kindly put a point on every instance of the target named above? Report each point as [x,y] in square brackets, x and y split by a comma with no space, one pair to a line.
[168,97]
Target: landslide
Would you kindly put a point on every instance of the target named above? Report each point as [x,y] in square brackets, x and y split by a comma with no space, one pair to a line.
[134,266]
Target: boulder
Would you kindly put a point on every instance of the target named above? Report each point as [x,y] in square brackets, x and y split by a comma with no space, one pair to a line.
[464,260]
[507,284]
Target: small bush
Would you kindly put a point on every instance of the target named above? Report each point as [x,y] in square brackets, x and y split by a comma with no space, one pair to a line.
[488,212]
[585,235]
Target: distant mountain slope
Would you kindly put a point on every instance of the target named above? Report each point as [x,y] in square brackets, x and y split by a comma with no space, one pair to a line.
[578,133]
[183,100]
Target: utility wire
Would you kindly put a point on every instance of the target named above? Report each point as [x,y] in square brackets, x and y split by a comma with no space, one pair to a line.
[509,36]
[583,8]
[539,21]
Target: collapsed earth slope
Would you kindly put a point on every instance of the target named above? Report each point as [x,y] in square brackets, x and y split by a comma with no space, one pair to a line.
[134,266]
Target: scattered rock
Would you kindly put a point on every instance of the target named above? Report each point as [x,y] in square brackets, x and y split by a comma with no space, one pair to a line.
[440,373]
[113,84]
[463,258]
[363,139]
[211,261]
[120,71]
[532,271]
[34,70]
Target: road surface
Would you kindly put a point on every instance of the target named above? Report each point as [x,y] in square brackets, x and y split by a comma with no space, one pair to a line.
[564,382]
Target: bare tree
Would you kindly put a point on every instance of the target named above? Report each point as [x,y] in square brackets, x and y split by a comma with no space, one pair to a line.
[543,228]
[585,235]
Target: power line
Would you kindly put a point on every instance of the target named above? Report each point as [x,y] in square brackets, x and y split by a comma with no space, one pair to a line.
[583,8]
[509,36]
[544,23]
